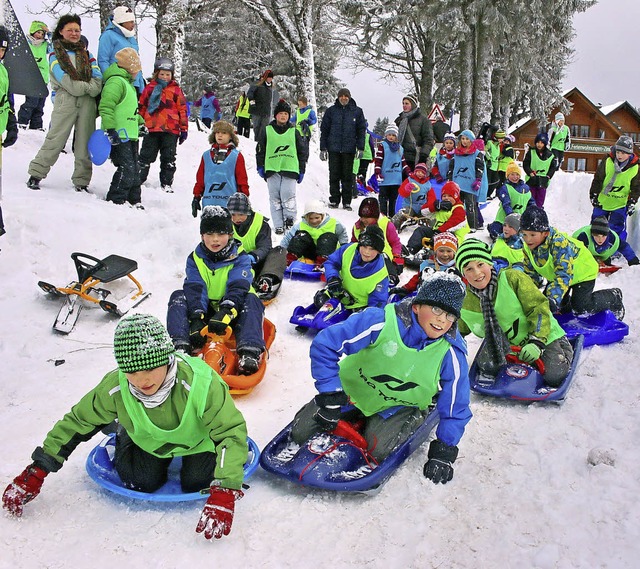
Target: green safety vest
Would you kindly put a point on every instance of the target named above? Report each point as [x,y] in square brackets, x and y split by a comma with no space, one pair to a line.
[388,373]
[250,238]
[4,98]
[281,154]
[216,282]
[441,217]
[619,194]
[492,154]
[359,288]
[315,232]
[303,116]
[591,247]
[503,162]
[518,202]
[559,139]
[382,223]
[243,110]
[366,154]
[191,436]
[585,267]
[126,112]
[501,250]
[511,318]
[540,166]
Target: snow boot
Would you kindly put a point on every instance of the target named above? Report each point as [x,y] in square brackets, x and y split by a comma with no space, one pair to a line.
[33,183]
[249,361]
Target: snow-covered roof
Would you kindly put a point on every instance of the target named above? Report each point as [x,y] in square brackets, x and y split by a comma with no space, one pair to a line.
[607,109]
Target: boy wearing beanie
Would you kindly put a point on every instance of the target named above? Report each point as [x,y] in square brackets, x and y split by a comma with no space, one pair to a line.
[539,165]
[507,309]
[390,168]
[507,251]
[281,156]
[559,139]
[217,294]
[603,243]
[153,393]
[359,379]
[565,268]
[222,171]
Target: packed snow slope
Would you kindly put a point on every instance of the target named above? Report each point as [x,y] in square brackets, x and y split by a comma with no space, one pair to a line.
[524,493]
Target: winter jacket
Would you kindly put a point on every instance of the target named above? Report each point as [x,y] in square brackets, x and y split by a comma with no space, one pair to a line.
[61,81]
[111,41]
[418,139]
[5,103]
[309,117]
[242,181]
[104,403]
[391,236]
[612,245]
[361,331]
[171,114]
[343,128]
[302,149]
[39,52]
[466,166]
[210,106]
[340,231]
[264,243]
[539,179]
[454,223]
[600,177]
[264,99]
[506,193]
[238,283]
[113,100]
[559,137]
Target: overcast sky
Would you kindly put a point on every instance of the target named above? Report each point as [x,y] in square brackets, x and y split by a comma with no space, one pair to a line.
[604,67]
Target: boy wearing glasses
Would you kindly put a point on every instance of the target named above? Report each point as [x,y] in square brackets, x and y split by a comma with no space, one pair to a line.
[382,368]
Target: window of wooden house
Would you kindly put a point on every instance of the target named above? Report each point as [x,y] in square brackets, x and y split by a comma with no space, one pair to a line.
[571,164]
[601,133]
[582,165]
[584,131]
[574,130]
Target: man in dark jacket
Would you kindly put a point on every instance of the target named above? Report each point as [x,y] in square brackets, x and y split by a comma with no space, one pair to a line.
[414,132]
[264,96]
[342,134]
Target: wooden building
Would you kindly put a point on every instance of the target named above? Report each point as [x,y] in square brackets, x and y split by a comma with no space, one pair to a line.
[594,129]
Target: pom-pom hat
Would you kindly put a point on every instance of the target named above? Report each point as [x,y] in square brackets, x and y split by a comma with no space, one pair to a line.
[392,128]
[282,107]
[445,239]
[444,290]
[141,342]
[513,168]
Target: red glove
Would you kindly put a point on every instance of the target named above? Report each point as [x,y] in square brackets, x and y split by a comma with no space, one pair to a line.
[217,514]
[23,489]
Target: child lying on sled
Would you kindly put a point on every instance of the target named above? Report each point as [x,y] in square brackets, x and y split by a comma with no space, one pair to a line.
[351,364]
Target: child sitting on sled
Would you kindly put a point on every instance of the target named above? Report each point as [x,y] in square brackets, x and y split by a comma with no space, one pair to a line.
[359,379]
[507,309]
[222,170]
[254,233]
[356,273]
[414,193]
[217,293]
[151,394]
[603,242]
[566,266]
[507,250]
[315,237]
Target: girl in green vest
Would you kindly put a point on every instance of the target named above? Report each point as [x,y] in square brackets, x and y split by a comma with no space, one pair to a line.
[540,166]
[507,309]
[384,367]
[243,117]
[565,267]
[559,139]
[167,405]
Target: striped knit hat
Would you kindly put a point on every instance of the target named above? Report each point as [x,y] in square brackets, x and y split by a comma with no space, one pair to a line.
[141,342]
[472,250]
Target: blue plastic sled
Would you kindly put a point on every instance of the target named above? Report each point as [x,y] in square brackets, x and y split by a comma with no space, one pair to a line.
[522,382]
[316,318]
[299,270]
[99,146]
[598,329]
[102,471]
[333,462]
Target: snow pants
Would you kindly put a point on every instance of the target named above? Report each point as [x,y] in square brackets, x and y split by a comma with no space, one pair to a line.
[382,431]
[244,126]
[582,299]
[539,195]
[145,472]
[341,178]
[282,200]
[125,184]
[165,143]
[69,113]
[31,111]
[247,326]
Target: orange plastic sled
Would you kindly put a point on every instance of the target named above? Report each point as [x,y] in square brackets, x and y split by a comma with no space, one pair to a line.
[220,354]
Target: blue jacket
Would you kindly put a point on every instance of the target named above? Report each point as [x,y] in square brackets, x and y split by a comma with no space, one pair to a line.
[111,41]
[359,269]
[343,128]
[505,199]
[238,283]
[623,247]
[362,329]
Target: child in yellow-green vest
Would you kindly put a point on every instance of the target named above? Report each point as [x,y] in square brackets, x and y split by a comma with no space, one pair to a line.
[559,139]
[603,243]
[507,309]
[507,250]
[305,118]
[539,165]
[167,405]
[31,111]
[281,157]
[118,110]
[514,197]
[243,117]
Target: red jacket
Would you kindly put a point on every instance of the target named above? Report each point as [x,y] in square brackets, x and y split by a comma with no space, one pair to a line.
[241,173]
[458,214]
[171,114]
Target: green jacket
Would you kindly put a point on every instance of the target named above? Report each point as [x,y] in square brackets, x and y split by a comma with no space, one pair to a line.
[104,403]
[118,107]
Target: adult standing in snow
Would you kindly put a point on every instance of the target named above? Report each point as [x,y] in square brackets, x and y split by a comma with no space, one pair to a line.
[342,134]
[31,111]
[414,132]
[119,33]
[77,80]
[265,97]
[209,107]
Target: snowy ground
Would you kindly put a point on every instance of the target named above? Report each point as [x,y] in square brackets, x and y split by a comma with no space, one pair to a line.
[523,495]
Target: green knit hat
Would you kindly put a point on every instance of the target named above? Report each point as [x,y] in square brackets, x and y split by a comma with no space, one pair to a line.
[472,250]
[38,26]
[141,342]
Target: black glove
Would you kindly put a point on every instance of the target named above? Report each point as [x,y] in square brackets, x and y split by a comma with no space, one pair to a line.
[329,413]
[142,131]
[443,205]
[221,319]
[334,287]
[12,131]
[320,297]
[394,280]
[196,324]
[114,137]
[195,206]
[594,200]
[400,291]
[441,458]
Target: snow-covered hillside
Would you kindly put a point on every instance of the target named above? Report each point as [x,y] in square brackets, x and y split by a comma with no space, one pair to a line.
[523,494]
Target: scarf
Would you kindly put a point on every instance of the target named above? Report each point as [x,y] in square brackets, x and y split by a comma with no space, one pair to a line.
[160,396]
[223,254]
[393,146]
[617,168]
[492,355]
[81,71]
[464,151]
[125,32]
[156,96]
[404,123]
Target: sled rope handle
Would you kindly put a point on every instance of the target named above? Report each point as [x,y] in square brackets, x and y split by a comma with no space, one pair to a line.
[514,359]
[367,457]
